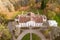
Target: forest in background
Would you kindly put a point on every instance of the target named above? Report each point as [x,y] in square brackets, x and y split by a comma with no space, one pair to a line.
[9,9]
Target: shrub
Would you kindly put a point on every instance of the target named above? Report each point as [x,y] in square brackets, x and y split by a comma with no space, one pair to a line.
[5,32]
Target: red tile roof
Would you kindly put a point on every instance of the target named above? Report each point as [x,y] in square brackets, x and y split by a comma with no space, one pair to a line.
[38,19]
[26,18]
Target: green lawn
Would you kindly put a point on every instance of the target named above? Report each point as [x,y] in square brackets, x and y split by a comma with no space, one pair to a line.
[34,37]
[26,37]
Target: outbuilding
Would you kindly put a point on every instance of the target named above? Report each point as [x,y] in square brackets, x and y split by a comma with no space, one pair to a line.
[52,23]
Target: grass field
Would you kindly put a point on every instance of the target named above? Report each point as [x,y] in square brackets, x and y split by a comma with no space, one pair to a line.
[34,37]
[26,37]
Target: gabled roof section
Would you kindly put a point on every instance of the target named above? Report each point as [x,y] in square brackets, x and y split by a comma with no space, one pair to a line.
[30,17]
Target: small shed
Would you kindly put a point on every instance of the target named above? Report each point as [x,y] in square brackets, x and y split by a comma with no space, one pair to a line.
[52,23]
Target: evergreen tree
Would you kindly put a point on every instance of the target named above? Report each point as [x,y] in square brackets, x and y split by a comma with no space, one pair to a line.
[43,4]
